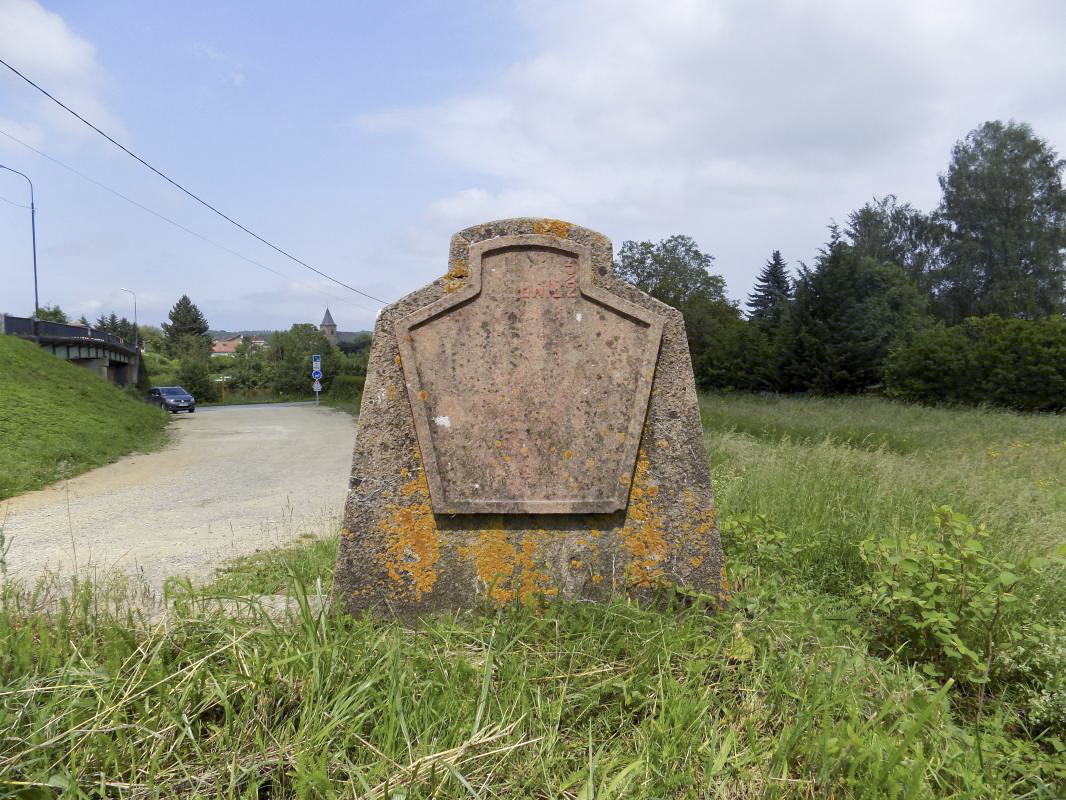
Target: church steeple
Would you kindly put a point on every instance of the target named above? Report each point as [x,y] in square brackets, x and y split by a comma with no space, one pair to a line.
[328,327]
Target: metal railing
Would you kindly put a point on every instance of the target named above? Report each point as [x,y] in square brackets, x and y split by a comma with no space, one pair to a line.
[59,331]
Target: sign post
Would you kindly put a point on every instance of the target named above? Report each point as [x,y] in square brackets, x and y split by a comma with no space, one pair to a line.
[316,374]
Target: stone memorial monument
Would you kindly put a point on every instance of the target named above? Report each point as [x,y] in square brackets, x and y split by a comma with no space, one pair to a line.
[528,430]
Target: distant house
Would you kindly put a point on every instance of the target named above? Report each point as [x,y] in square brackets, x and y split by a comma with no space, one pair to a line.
[225,347]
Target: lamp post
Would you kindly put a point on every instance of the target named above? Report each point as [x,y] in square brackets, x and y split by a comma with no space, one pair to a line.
[33,237]
[136,338]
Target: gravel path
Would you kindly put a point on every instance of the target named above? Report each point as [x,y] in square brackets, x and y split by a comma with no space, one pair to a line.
[233,480]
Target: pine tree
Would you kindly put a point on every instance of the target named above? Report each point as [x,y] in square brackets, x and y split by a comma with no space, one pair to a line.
[187,329]
[849,312]
[773,290]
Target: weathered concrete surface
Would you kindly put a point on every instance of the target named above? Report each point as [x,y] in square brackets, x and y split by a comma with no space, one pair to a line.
[545,382]
[530,384]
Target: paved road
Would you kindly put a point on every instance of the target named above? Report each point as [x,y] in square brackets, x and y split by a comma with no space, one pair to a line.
[235,479]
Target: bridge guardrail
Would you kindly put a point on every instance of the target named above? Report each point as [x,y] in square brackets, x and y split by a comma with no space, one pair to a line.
[23,326]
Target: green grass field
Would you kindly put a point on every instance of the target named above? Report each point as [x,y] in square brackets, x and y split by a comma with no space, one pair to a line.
[804,687]
[829,471]
[58,419]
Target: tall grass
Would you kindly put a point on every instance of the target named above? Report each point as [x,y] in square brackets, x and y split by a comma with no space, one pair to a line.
[791,692]
[776,698]
[831,471]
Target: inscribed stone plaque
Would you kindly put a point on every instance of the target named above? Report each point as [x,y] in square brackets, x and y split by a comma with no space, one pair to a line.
[529,386]
[529,430]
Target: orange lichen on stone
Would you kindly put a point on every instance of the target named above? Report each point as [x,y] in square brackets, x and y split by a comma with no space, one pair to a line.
[391,393]
[708,520]
[552,227]
[528,581]
[397,360]
[508,572]
[494,559]
[568,454]
[644,535]
[455,278]
[412,541]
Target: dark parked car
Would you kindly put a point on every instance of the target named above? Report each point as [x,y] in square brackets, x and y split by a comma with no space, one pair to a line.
[172,399]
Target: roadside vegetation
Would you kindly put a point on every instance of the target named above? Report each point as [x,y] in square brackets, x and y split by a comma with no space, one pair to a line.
[962,304]
[58,419]
[874,647]
[270,369]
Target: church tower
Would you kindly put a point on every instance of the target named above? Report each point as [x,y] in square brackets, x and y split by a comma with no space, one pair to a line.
[329,328]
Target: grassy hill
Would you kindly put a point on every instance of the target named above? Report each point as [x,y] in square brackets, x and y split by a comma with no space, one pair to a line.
[58,419]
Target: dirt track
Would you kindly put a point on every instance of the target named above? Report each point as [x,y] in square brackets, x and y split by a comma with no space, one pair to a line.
[233,480]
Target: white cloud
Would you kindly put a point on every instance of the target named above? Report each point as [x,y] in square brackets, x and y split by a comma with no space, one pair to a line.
[734,120]
[41,45]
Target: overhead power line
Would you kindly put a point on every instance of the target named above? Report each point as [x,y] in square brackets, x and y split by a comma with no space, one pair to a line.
[181,188]
[12,202]
[166,219]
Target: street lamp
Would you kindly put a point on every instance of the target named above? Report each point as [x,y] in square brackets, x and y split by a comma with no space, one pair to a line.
[136,337]
[33,236]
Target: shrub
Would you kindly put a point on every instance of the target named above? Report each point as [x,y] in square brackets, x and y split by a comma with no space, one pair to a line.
[942,602]
[1034,665]
[194,377]
[347,388]
[1015,363]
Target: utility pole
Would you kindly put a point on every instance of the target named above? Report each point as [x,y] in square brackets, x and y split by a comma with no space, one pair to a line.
[136,340]
[33,238]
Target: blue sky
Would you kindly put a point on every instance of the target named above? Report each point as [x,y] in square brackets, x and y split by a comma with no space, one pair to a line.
[360,136]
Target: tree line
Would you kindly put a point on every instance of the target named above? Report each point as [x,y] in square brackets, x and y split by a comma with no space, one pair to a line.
[962,304]
[279,366]
[179,352]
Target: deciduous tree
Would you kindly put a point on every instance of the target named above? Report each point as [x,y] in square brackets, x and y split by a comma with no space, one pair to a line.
[674,270]
[888,231]
[290,354]
[52,314]
[1004,208]
[726,351]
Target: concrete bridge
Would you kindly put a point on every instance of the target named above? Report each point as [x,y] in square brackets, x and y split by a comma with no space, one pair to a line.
[103,353]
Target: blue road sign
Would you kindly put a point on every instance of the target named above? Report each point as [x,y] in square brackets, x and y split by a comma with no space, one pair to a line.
[316,374]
